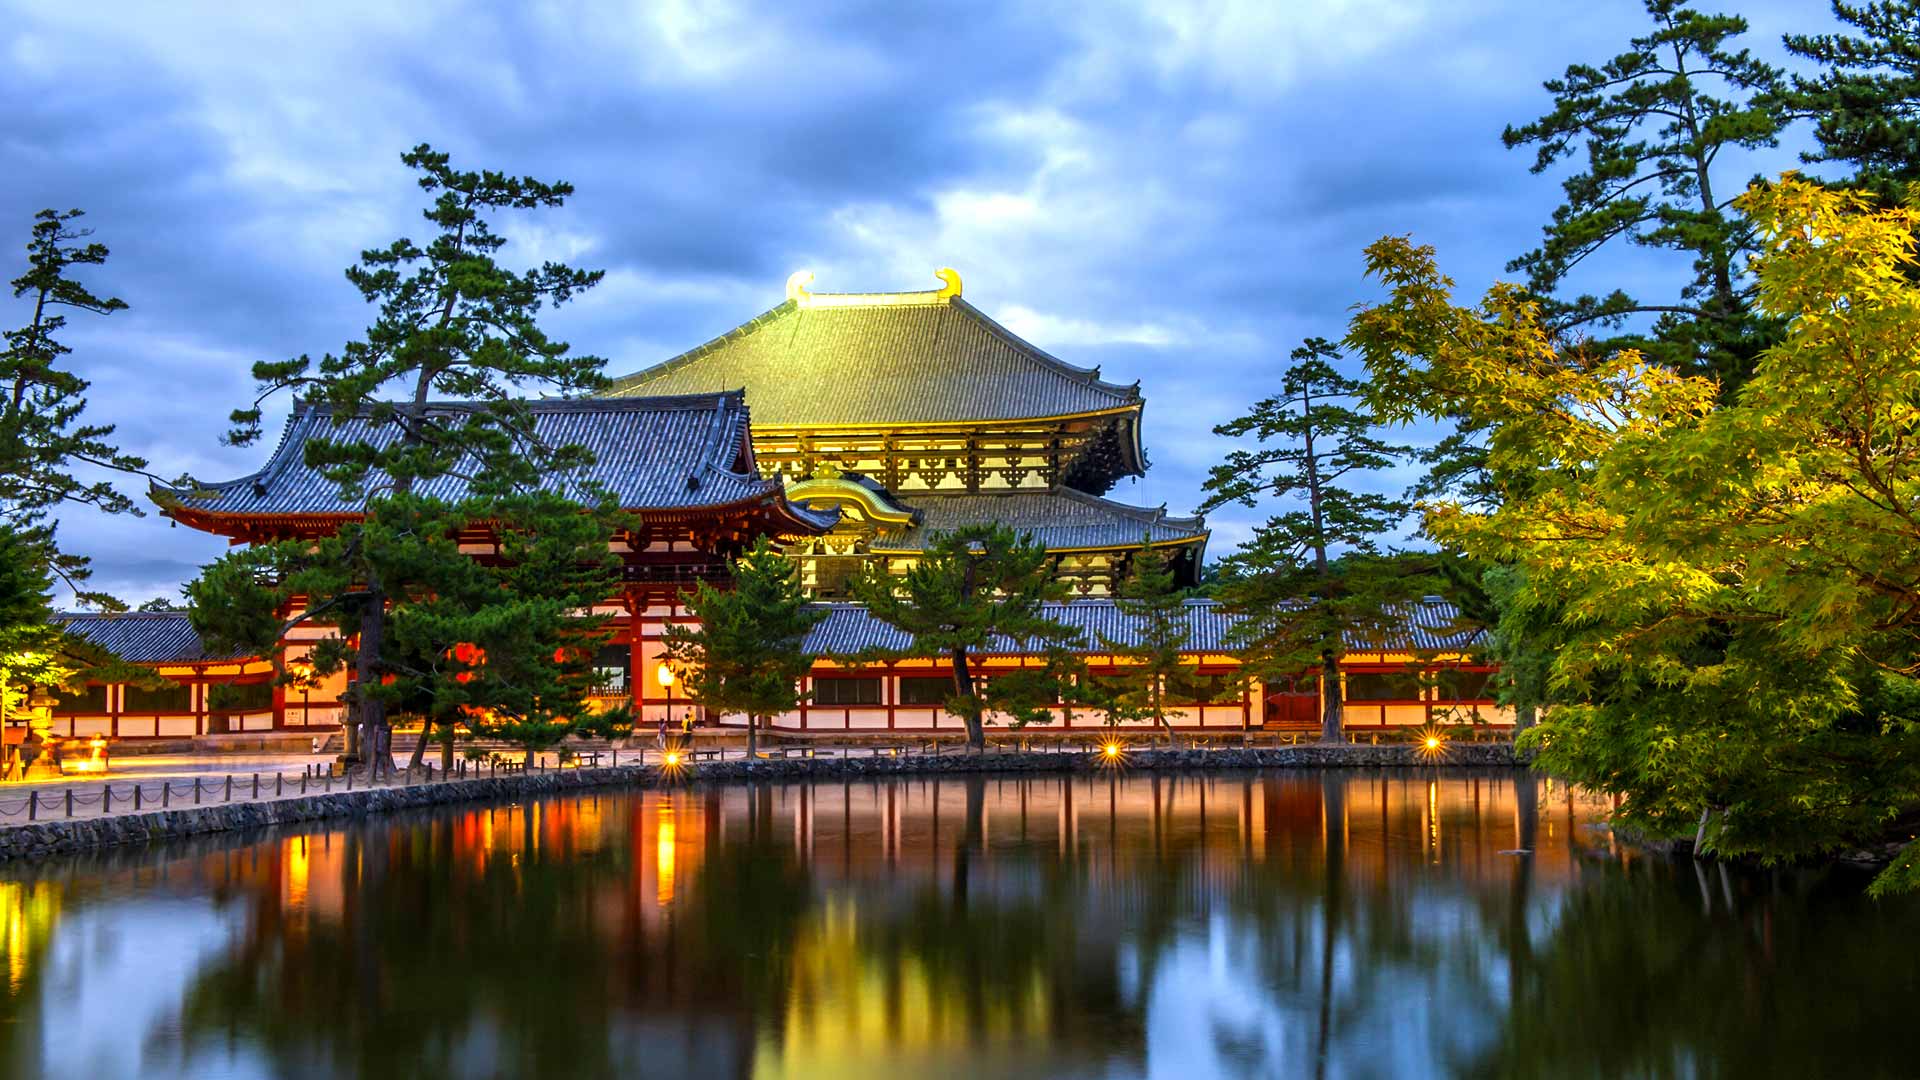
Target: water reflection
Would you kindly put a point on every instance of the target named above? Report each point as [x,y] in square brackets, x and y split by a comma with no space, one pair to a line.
[1447,922]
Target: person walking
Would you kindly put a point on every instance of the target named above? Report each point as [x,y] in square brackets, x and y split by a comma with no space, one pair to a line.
[662,737]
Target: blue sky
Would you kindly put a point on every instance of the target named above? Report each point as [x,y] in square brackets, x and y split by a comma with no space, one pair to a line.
[1176,193]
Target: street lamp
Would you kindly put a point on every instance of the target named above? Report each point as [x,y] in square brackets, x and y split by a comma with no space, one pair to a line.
[664,676]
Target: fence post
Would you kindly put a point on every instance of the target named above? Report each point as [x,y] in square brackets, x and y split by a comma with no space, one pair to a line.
[33,804]
[166,794]
[325,781]
[69,802]
[256,785]
[196,791]
[106,800]
[350,779]
[229,787]
[136,794]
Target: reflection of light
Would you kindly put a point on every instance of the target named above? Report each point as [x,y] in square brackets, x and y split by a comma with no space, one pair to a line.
[663,855]
[27,915]
[1433,743]
[1433,818]
[673,759]
[1113,752]
[295,853]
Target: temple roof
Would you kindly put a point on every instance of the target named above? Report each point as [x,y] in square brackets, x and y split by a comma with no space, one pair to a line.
[685,453]
[1062,519]
[883,359]
[143,637]
[1429,626]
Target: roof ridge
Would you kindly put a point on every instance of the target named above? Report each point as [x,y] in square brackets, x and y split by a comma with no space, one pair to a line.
[1091,376]
[1151,514]
[709,399]
[751,326]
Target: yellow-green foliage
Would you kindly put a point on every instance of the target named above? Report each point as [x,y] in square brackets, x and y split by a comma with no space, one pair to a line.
[1738,581]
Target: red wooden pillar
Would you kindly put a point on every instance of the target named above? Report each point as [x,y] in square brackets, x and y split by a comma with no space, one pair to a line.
[636,666]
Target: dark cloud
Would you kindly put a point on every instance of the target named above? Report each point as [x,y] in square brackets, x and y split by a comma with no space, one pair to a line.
[1176,193]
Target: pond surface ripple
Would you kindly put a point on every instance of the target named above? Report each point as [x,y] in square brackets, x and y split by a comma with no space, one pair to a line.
[1443,922]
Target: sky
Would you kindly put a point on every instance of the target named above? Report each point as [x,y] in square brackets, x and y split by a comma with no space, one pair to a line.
[1176,193]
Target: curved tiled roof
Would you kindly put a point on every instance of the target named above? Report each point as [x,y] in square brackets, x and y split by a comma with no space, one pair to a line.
[1429,626]
[886,359]
[143,637]
[1062,519]
[652,453]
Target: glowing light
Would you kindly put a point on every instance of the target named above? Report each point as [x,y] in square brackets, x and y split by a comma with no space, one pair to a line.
[664,674]
[94,762]
[673,759]
[663,853]
[1113,753]
[1433,743]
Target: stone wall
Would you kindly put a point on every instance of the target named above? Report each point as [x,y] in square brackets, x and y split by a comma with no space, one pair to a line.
[55,837]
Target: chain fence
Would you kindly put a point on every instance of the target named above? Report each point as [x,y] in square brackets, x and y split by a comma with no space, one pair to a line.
[143,796]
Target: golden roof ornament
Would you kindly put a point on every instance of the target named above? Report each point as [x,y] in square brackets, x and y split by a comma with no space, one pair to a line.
[798,293]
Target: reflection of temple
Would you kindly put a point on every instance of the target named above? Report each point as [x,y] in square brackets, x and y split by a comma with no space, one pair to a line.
[800,929]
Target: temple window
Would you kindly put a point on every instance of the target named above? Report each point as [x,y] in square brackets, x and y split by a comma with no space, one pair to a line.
[854,690]
[1383,686]
[174,698]
[925,689]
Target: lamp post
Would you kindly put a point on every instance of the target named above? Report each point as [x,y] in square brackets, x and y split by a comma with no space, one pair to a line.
[664,676]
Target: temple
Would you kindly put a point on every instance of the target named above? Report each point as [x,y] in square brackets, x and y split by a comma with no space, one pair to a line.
[915,413]
[849,429]
[682,466]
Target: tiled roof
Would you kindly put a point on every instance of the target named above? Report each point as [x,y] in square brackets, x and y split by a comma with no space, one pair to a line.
[848,628]
[901,358]
[1060,519]
[653,453]
[143,637]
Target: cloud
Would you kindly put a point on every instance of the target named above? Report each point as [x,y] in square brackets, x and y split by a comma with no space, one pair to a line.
[1176,193]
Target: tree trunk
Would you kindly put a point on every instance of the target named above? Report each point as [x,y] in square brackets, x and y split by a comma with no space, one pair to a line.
[753,740]
[963,683]
[420,747]
[1522,716]
[528,762]
[446,749]
[373,712]
[1331,703]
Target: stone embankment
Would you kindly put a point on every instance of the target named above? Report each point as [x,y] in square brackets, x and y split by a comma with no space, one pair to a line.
[32,841]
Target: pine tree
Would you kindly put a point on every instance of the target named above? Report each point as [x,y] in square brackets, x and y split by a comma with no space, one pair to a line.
[42,402]
[1313,577]
[745,653]
[1865,99]
[1654,121]
[1150,597]
[31,646]
[451,322]
[975,588]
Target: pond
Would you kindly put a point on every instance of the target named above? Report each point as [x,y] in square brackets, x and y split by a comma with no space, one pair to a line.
[1407,923]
